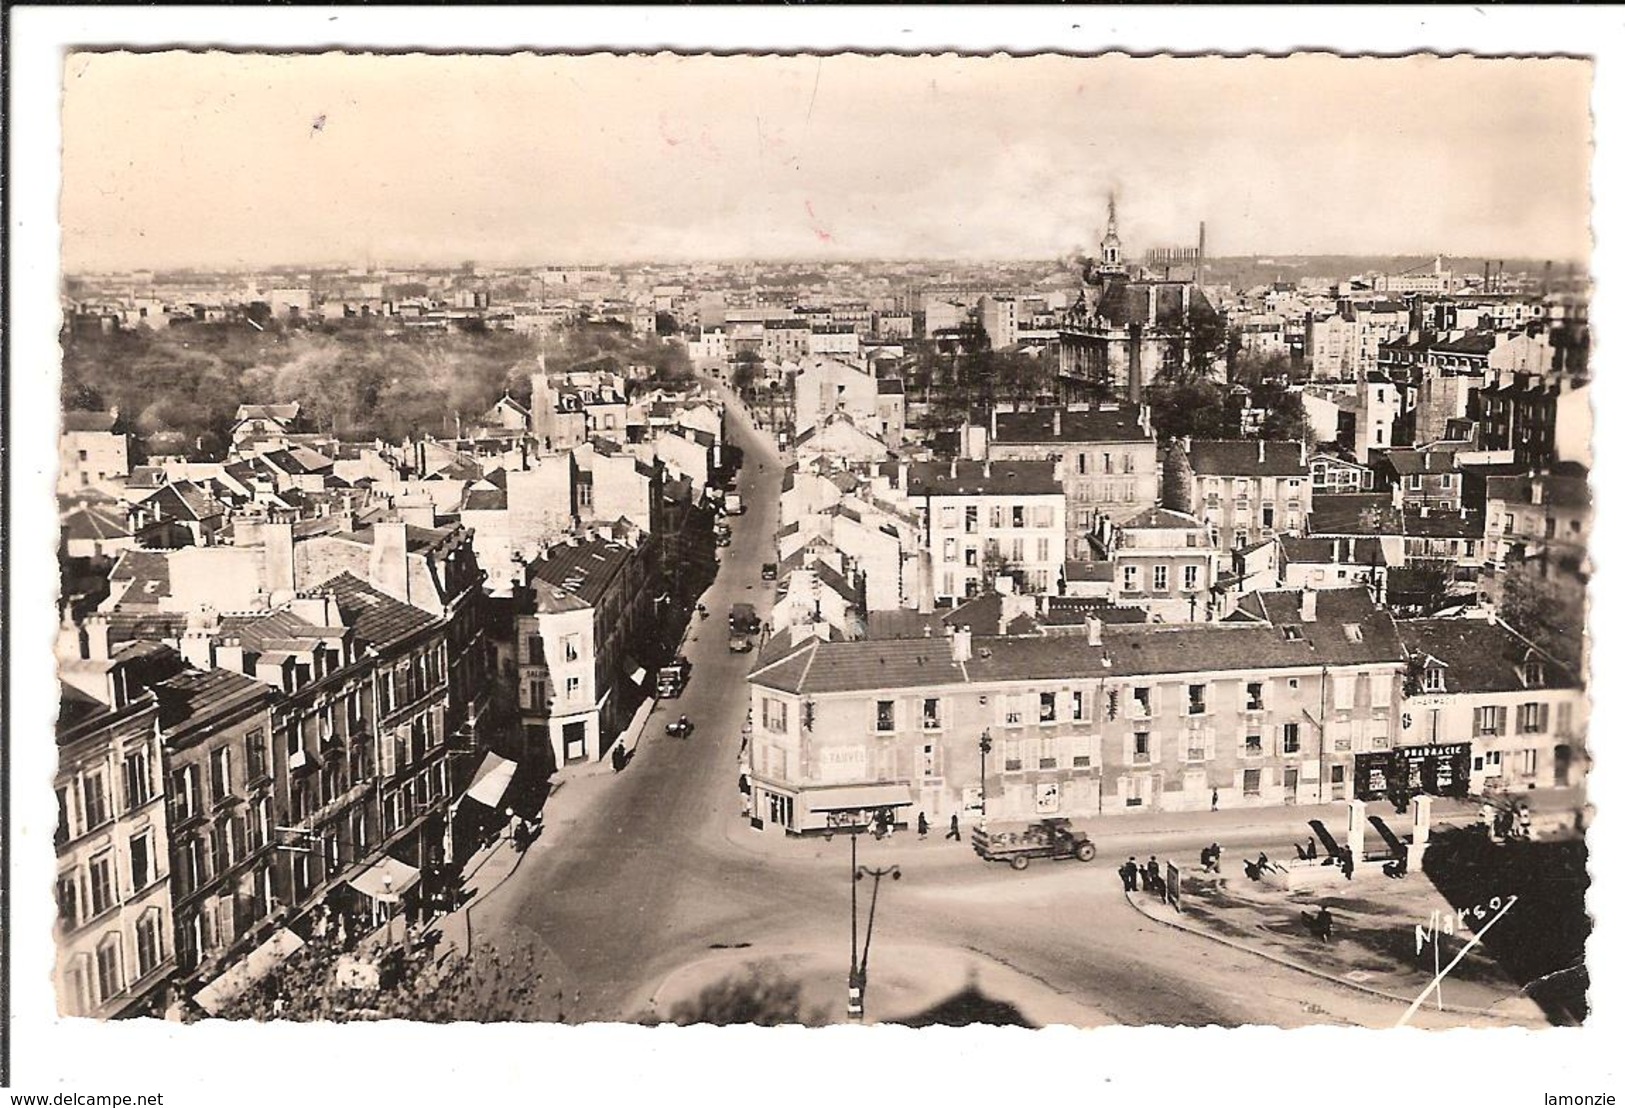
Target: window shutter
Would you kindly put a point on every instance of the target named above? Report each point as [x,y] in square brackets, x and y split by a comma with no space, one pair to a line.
[1501,720]
[1357,736]
[1029,754]
[1545,718]
[1156,700]
[386,754]
[1156,748]
[1382,687]
[1343,692]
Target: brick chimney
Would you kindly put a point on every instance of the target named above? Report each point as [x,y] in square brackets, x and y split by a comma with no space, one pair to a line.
[387,569]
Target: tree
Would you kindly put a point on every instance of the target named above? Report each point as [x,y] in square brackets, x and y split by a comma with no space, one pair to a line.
[485,987]
[1194,408]
[1284,415]
[760,995]
[1544,612]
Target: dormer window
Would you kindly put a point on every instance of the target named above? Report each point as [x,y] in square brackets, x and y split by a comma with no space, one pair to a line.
[1292,632]
[1433,679]
[1534,673]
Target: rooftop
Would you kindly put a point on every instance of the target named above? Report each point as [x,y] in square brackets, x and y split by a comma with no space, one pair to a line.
[969,478]
[1243,458]
[1099,423]
[584,570]
[1479,655]
[377,619]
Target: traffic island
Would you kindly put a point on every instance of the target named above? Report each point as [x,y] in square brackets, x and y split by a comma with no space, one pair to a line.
[1389,939]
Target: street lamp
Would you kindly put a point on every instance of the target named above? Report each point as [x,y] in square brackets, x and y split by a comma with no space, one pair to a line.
[857,979]
[985,745]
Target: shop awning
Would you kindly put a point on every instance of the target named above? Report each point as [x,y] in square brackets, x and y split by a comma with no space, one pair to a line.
[858,796]
[386,880]
[491,780]
[259,962]
[636,672]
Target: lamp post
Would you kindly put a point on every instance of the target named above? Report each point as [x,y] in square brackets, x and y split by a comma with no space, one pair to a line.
[857,980]
[985,746]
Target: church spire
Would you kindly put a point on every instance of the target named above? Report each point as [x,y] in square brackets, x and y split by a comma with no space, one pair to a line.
[1111,249]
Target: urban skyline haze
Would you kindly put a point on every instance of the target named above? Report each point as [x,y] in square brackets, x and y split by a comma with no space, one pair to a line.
[220,160]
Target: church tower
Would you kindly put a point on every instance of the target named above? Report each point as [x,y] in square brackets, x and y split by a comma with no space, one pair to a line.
[1111,249]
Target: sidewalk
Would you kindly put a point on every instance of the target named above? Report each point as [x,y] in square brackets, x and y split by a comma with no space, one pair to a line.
[1373,948]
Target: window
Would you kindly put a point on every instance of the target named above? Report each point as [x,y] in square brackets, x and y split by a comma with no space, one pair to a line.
[109,976]
[1534,674]
[1269,516]
[1195,746]
[1018,516]
[1565,719]
[1142,747]
[1012,755]
[1196,700]
[67,900]
[1159,578]
[1142,700]
[970,556]
[1533,718]
[137,780]
[260,828]
[930,713]
[103,888]
[995,516]
[1046,752]
[1043,515]
[950,550]
[254,744]
[1080,706]
[572,688]
[1251,780]
[1255,696]
[1082,753]
[538,695]
[64,816]
[1012,710]
[1528,760]
[1416,482]
[535,653]
[1444,481]
[775,715]
[220,774]
[1018,550]
[1083,462]
[949,518]
[1289,738]
[1046,707]
[884,719]
[970,517]
[1433,679]
[925,761]
[141,861]
[1106,463]
[571,646]
[1189,576]
[1490,720]
[1128,463]
[1041,550]
[94,791]
[1131,578]
[1253,745]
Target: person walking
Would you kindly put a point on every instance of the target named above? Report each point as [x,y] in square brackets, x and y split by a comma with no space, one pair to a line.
[1323,924]
[923,827]
[953,828]
[1214,806]
[1130,873]
[1153,874]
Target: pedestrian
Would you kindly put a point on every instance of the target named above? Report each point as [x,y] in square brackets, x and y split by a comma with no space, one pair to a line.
[1210,858]
[953,828]
[1323,924]
[923,827]
[1130,874]
[1311,848]
[1526,820]
[1153,873]
[1214,806]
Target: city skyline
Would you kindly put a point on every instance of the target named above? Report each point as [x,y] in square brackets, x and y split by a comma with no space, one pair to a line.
[243,160]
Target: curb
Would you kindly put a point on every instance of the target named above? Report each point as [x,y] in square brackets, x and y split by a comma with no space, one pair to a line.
[1291,964]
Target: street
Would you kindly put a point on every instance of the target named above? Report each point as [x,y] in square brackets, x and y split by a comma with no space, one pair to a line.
[659,871]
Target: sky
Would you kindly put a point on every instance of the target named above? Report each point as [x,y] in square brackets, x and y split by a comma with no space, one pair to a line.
[173,159]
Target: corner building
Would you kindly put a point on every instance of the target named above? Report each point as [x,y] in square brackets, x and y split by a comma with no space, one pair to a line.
[1267,707]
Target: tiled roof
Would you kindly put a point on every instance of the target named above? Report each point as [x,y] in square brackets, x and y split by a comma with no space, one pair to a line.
[299,459]
[968,478]
[424,540]
[147,570]
[123,626]
[186,499]
[261,632]
[1097,424]
[585,570]
[1473,342]
[1479,655]
[825,667]
[1124,302]
[1241,458]
[1559,492]
[1407,460]
[1161,518]
[377,619]
[89,523]
[1466,524]
[1355,513]
[1366,552]
[485,500]
[201,694]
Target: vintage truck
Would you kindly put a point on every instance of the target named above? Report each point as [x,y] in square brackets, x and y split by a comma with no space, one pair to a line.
[1019,843]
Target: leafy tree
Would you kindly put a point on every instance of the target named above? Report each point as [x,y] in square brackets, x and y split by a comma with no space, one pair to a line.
[485,987]
[1194,408]
[1545,612]
[760,996]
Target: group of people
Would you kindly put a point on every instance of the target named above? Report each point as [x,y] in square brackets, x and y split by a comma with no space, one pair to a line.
[1516,822]
[885,822]
[1149,876]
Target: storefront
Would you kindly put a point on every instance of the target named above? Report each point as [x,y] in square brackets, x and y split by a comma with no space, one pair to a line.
[848,806]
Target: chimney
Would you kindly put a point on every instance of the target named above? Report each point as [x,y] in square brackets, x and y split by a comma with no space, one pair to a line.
[1055,423]
[1306,606]
[953,469]
[961,641]
[987,469]
[1260,451]
[197,641]
[279,574]
[388,570]
[1093,624]
[993,423]
[1303,454]
[97,648]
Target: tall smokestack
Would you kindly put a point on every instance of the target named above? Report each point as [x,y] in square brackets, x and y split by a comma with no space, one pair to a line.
[1201,250]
